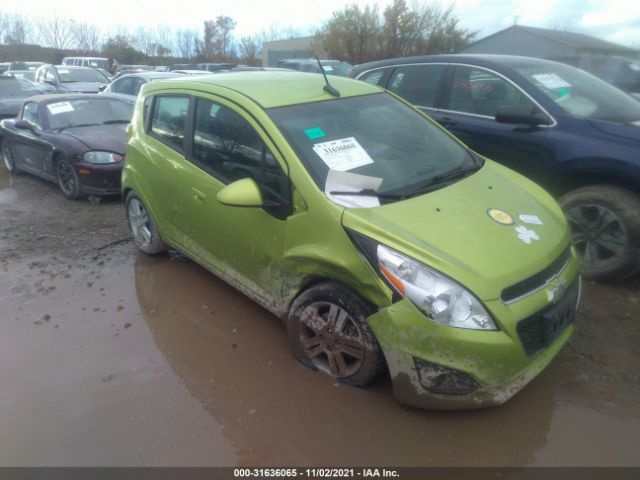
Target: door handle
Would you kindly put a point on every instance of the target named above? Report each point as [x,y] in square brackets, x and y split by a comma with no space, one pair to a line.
[447,121]
[198,195]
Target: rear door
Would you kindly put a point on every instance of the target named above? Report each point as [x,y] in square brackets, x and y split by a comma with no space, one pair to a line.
[468,110]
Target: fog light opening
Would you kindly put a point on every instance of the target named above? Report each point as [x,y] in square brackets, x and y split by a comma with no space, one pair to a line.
[444,380]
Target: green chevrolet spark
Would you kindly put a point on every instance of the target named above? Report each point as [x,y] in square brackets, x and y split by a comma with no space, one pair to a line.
[382,242]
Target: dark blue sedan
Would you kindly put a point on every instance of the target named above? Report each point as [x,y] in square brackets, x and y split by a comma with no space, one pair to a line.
[573,133]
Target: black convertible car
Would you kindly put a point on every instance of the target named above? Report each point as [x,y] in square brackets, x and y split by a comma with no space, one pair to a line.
[77,141]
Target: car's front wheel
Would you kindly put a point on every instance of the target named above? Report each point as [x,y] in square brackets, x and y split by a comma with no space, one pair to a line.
[144,232]
[327,330]
[605,226]
[9,159]
[67,178]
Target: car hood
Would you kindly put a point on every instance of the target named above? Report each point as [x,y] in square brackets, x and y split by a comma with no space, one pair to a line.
[628,131]
[10,106]
[81,87]
[450,229]
[110,138]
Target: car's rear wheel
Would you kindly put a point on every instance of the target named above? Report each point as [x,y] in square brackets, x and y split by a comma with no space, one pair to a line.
[67,177]
[327,331]
[144,232]
[8,158]
[605,226]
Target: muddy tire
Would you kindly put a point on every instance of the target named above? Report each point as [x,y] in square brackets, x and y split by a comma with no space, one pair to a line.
[8,159]
[67,178]
[143,230]
[605,226]
[327,331]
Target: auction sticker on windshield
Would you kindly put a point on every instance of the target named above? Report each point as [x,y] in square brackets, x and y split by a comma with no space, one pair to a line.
[60,107]
[551,80]
[342,155]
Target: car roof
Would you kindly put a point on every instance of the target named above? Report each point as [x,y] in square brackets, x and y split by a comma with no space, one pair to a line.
[272,89]
[486,60]
[57,97]
[149,74]
[72,67]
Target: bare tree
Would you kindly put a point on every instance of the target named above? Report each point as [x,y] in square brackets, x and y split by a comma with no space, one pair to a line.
[144,41]
[249,49]
[17,30]
[87,37]
[55,32]
[217,41]
[164,38]
[186,42]
[225,27]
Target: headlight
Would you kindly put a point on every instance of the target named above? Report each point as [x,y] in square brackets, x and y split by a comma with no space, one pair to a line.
[440,298]
[101,157]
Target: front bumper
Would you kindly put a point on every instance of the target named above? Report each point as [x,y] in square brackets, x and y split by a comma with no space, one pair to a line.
[99,179]
[493,365]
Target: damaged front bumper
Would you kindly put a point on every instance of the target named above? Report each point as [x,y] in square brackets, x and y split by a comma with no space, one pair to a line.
[439,367]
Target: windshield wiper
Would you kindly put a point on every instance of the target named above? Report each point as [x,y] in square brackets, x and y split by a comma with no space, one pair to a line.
[371,193]
[79,125]
[113,122]
[433,182]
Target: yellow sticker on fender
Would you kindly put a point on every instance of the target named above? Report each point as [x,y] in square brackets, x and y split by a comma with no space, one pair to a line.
[500,216]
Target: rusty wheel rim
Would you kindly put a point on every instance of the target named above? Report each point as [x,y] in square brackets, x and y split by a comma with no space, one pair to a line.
[332,339]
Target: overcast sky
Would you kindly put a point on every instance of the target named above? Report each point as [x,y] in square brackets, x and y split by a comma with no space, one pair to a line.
[614,20]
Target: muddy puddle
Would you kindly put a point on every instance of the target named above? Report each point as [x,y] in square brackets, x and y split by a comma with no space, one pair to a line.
[119,358]
[111,357]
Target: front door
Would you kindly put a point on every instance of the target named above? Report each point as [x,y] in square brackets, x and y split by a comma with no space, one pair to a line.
[244,245]
[32,151]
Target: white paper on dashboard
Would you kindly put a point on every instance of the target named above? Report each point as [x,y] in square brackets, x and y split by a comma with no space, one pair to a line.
[338,181]
[344,154]
[551,80]
[60,107]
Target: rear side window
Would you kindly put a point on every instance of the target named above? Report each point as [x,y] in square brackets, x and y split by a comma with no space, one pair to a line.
[417,84]
[168,120]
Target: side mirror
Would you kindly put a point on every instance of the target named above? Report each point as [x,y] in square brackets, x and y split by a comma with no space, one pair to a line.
[23,125]
[241,193]
[101,88]
[522,115]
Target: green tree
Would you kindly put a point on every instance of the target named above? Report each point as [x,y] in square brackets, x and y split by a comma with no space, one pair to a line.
[118,47]
[361,35]
[352,34]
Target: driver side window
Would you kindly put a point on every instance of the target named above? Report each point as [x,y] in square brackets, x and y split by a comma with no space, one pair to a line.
[30,114]
[228,147]
[123,85]
[49,76]
[481,92]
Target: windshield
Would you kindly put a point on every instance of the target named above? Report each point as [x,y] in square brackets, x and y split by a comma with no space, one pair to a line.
[579,93]
[371,135]
[336,68]
[16,87]
[81,75]
[91,111]
[26,74]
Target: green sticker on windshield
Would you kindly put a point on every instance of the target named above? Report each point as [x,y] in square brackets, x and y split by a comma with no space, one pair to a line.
[314,133]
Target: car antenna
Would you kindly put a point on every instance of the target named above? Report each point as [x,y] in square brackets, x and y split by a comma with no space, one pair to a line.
[327,88]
